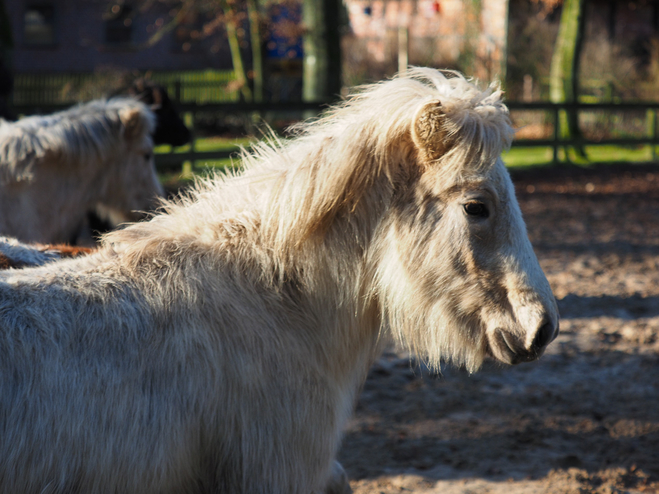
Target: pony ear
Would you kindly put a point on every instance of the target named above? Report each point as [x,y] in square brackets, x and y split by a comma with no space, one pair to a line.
[133,122]
[429,131]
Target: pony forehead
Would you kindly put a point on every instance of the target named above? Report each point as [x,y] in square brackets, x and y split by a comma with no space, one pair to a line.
[492,180]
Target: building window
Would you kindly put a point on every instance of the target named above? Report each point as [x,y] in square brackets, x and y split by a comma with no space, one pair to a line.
[119,25]
[39,27]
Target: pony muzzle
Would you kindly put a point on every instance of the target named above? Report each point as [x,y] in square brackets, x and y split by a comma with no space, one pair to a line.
[512,349]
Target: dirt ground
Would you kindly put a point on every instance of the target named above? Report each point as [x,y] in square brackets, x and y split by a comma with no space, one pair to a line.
[585,417]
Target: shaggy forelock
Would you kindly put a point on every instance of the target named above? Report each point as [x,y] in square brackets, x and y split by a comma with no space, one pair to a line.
[75,136]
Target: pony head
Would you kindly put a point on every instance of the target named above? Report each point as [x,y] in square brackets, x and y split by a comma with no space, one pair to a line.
[132,186]
[457,278]
[68,163]
[409,170]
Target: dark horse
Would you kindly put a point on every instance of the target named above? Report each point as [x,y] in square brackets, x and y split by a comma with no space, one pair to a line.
[170,129]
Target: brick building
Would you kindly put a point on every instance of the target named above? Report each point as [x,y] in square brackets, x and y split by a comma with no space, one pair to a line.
[464,34]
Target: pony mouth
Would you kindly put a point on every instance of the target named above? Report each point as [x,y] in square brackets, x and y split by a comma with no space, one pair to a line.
[507,349]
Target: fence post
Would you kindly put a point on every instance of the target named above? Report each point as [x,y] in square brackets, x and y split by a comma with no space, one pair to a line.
[187,166]
[177,91]
[652,131]
[557,133]
[649,127]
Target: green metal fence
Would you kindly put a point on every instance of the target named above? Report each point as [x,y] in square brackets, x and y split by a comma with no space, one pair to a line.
[53,91]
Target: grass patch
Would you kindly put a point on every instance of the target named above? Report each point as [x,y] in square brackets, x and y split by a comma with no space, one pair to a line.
[613,154]
[523,157]
[519,157]
[207,144]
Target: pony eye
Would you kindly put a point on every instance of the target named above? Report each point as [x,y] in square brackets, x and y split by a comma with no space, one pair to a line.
[475,208]
[147,156]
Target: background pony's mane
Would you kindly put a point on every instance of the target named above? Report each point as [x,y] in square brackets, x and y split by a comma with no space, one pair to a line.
[75,136]
[294,188]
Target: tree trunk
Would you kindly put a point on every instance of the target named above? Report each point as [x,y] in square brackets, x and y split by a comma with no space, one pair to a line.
[6,39]
[322,50]
[314,75]
[564,74]
[257,54]
[403,49]
[234,47]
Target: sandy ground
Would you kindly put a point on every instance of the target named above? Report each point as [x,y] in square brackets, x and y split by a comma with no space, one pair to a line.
[585,417]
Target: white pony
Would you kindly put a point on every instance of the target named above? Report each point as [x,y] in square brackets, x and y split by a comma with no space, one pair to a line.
[220,346]
[54,169]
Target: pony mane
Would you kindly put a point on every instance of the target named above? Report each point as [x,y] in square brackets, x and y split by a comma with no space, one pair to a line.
[289,190]
[74,136]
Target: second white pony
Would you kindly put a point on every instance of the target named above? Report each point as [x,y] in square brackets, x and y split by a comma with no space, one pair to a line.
[54,169]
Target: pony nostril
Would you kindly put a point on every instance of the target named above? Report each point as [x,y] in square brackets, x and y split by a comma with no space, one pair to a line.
[544,335]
